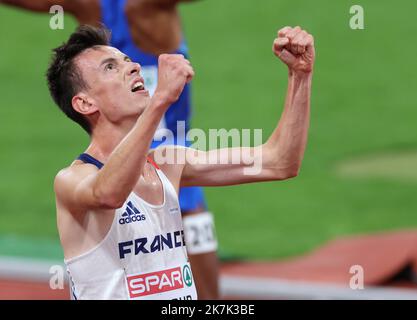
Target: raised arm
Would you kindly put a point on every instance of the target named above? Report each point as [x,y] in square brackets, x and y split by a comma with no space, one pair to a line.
[280,157]
[85,11]
[41,5]
[84,187]
[165,2]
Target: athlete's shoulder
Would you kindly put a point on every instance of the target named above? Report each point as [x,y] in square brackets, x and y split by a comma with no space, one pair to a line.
[68,178]
[167,157]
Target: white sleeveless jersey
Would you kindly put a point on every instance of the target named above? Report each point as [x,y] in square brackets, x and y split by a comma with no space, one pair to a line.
[143,256]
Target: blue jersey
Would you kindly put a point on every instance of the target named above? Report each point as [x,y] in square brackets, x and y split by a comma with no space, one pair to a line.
[114,18]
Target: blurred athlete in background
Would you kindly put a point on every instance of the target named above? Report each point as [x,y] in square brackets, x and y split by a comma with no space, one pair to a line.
[144,29]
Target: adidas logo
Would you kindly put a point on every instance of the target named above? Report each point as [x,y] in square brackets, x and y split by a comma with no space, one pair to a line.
[131,214]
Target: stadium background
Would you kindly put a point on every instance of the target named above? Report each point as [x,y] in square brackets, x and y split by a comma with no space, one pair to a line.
[359,171]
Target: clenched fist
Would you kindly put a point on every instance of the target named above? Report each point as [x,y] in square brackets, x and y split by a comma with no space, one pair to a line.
[295,47]
[174,71]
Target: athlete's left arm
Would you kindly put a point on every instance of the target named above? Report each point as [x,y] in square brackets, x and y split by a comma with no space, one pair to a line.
[281,156]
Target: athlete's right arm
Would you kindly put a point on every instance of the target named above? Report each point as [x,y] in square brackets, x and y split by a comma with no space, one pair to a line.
[84,187]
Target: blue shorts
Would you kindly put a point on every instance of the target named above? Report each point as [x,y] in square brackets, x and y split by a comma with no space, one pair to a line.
[190,198]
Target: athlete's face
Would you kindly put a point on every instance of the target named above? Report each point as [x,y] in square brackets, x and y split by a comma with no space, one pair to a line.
[116,88]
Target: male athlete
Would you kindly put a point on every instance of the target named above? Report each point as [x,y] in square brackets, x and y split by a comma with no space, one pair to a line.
[118,214]
[143,29]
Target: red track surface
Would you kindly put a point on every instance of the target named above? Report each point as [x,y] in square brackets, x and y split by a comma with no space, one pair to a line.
[387,259]
[26,290]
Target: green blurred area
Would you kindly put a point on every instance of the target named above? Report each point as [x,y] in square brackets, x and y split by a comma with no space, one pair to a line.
[364,102]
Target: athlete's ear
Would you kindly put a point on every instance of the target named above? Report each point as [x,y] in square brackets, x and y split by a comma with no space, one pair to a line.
[83,104]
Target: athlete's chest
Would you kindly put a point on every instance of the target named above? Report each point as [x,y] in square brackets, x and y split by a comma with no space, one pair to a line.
[147,230]
[149,186]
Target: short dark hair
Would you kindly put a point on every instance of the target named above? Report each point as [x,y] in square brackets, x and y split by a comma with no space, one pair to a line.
[64,78]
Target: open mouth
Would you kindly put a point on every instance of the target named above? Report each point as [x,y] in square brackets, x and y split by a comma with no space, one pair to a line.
[138,86]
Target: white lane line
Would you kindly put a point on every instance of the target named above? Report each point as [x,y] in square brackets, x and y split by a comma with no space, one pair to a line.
[264,288]
[27,269]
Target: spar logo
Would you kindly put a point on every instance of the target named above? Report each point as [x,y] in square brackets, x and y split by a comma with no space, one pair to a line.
[159,282]
[187,276]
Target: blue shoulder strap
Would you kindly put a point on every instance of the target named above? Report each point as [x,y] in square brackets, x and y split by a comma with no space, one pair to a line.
[86,158]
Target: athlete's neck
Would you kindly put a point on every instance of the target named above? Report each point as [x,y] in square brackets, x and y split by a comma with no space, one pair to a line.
[106,137]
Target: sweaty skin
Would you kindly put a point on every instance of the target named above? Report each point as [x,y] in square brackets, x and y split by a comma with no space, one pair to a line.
[155,28]
[124,123]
